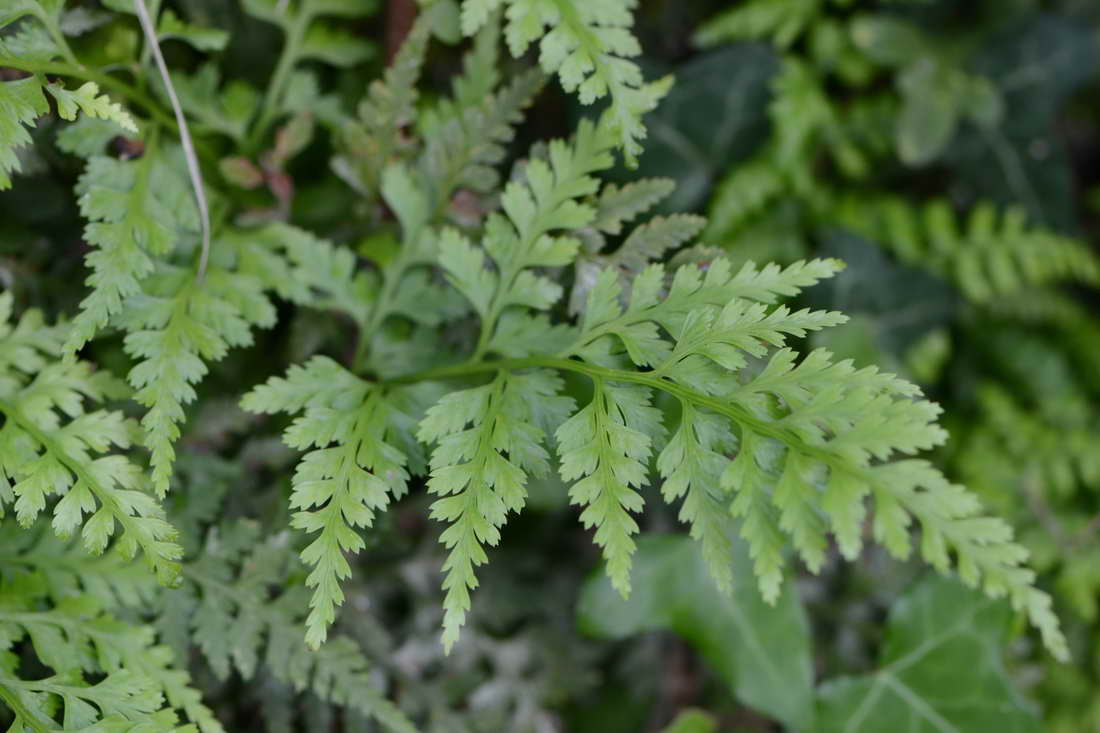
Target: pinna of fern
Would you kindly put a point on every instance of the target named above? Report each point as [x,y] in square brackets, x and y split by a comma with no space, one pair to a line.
[792,447]
[54,445]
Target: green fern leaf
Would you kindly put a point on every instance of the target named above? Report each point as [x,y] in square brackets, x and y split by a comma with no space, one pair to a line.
[350,472]
[21,103]
[780,21]
[174,329]
[607,446]
[490,439]
[88,100]
[226,602]
[75,639]
[373,141]
[128,224]
[42,455]
[590,47]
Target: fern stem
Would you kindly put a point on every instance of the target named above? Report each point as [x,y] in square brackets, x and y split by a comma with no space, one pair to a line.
[194,170]
[29,718]
[295,34]
[131,93]
[739,415]
[59,38]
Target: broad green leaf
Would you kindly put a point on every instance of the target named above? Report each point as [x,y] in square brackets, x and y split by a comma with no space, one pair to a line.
[762,652]
[716,114]
[1037,66]
[941,670]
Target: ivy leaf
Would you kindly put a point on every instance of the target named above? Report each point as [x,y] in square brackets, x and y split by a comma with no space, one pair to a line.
[761,652]
[714,116]
[941,669]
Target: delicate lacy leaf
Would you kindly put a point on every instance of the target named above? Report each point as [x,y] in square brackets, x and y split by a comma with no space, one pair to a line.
[490,439]
[521,239]
[227,604]
[607,446]
[781,21]
[21,103]
[43,455]
[169,26]
[130,221]
[351,469]
[75,639]
[174,329]
[816,437]
[88,100]
[590,47]
[373,140]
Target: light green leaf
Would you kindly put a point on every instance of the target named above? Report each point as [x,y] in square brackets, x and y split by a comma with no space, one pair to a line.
[88,100]
[333,46]
[21,103]
[169,26]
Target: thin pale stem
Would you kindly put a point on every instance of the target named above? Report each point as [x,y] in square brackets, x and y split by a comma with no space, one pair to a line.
[193,168]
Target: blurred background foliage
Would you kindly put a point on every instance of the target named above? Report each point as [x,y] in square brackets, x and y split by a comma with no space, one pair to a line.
[948,151]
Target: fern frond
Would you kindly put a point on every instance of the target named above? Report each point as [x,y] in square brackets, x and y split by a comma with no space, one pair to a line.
[44,455]
[373,141]
[780,21]
[469,142]
[590,47]
[547,200]
[691,466]
[607,446]
[21,103]
[307,270]
[815,438]
[489,440]
[991,253]
[88,100]
[174,329]
[226,109]
[618,205]
[75,639]
[351,470]
[130,222]
[67,571]
[836,427]
[226,602]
